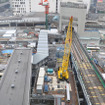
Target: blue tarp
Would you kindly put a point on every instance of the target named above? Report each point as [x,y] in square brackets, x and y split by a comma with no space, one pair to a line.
[50,70]
[55,18]
[7,51]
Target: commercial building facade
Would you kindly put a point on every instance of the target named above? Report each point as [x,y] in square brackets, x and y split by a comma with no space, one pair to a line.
[78,11]
[27,6]
[100,7]
[20,6]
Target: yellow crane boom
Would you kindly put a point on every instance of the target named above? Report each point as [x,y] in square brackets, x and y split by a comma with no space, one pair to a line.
[63,71]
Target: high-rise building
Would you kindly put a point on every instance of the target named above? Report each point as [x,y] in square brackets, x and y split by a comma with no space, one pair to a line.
[100,7]
[97,6]
[20,6]
[26,6]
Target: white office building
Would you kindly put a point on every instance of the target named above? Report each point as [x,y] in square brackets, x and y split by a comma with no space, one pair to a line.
[27,6]
[20,6]
[78,11]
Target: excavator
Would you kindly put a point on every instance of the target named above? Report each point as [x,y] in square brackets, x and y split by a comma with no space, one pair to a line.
[63,70]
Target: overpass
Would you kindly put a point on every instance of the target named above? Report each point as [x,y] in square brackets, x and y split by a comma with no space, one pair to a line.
[92,83]
[15,83]
[31,19]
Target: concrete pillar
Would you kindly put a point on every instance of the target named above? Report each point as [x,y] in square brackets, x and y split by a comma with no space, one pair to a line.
[9,24]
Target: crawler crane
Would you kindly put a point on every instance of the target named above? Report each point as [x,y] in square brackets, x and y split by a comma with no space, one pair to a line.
[63,70]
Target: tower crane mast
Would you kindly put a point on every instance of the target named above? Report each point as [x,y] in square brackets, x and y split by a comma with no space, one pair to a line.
[63,70]
[45,3]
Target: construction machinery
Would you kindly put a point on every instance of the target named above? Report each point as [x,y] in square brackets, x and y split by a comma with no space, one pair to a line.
[63,70]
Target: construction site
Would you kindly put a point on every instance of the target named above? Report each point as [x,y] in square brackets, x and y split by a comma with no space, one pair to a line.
[52,58]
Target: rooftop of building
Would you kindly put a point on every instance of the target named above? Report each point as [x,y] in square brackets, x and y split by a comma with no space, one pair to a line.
[80,5]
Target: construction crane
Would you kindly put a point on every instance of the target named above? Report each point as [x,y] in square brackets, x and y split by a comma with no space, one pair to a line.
[45,3]
[63,70]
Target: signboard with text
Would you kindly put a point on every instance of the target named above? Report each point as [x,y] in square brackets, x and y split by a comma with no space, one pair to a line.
[45,2]
[99,1]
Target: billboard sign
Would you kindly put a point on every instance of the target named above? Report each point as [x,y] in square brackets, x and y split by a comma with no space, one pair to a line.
[99,1]
[45,2]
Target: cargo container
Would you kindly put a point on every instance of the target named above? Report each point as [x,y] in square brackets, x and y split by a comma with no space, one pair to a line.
[41,73]
[68,92]
[46,88]
[40,81]
[95,61]
[39,89]
[49,70]
[45,78]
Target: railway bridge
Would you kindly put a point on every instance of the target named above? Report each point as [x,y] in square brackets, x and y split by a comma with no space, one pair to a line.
[90,78]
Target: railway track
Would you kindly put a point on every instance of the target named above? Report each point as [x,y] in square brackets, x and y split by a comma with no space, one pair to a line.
[92,83]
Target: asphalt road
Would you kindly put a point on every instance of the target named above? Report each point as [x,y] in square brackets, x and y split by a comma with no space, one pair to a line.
[15,87]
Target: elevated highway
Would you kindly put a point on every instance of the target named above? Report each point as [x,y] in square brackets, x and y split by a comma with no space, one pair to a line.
[88,75]
[15,83]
